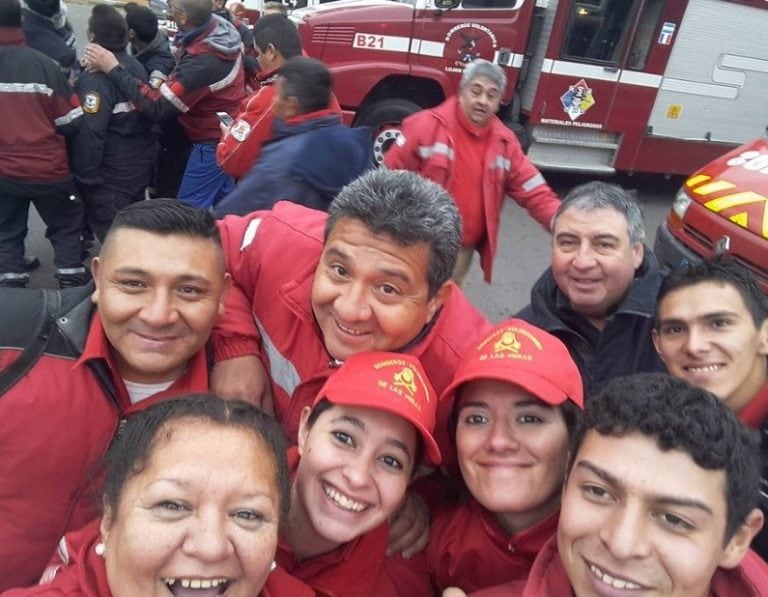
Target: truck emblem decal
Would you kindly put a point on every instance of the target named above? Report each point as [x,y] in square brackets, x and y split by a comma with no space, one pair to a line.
[467,41]
[577,100]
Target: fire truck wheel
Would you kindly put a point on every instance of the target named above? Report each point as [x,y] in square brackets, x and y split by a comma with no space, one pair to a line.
[384,117]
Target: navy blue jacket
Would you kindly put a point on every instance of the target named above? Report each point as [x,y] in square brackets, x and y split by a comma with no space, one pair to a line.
[115,147]
[44,36]
[157,59]
[306,163]
[623,347]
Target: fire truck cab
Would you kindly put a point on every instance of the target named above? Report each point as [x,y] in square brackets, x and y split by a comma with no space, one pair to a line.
[722,209]
[599,85]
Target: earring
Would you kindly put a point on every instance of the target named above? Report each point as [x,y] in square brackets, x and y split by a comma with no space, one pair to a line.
[272,566]
[100,549]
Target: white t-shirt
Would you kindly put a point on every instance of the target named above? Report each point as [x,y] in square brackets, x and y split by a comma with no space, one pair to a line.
[141,391]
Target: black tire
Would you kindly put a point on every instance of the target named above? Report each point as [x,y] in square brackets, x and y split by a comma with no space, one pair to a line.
[384,118]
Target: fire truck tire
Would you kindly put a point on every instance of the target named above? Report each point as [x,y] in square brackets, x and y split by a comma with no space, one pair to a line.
[384,118]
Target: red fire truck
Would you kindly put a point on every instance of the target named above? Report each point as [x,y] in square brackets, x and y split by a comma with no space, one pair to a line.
[722,208]
[600,85]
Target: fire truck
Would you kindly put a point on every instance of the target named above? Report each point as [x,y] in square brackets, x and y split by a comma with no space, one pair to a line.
[599,86]
[722,209]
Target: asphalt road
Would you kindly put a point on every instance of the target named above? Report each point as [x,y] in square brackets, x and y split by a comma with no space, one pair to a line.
[524,247]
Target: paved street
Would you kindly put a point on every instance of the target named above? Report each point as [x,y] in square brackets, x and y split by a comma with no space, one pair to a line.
[523,249]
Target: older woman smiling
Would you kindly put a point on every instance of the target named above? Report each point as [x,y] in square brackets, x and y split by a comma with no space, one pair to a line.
[195,494]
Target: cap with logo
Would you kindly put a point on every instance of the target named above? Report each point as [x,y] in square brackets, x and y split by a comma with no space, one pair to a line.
[522,354]
[391,382]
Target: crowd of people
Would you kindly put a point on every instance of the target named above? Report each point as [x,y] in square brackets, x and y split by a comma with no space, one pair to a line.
[272,383]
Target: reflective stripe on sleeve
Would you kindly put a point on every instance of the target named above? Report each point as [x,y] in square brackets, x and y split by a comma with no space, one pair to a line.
[69,116]
[173,98]
[436,149]
[534,182]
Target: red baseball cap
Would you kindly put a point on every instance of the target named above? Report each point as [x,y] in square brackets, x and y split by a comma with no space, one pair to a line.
[522,354]
[387,381]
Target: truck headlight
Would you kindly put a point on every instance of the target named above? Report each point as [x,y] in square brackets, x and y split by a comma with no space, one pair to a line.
[681,203]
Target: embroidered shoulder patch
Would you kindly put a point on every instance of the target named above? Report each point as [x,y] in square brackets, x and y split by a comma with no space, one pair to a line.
[91,102]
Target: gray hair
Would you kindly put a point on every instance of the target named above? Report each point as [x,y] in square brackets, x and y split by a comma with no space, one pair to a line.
[407,208]
[602,195]
[483,68]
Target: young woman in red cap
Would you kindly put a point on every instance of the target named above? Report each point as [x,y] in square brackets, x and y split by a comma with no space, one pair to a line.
[368,429]
[517,395]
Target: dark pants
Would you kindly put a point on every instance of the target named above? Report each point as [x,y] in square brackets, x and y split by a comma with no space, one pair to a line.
[101,206]
[63,218]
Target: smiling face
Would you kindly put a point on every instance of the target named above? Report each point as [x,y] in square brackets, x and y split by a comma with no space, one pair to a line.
[707,337]
[480,100]
[158,298]
[355,466]
[204,511]
[593,260]
[369,293]
[637,520]
[512,451]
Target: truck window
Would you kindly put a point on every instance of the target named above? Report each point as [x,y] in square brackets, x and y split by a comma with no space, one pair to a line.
[488,3]
[597,30]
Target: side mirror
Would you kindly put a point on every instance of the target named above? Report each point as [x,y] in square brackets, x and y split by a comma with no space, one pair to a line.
[447,4]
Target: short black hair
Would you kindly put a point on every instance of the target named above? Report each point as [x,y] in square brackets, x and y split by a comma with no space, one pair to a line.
[166,216]
[722,271]
[10,13]
[108,28]
[278,30]
[133,446]
[309,81]
[142,21]
[686,418]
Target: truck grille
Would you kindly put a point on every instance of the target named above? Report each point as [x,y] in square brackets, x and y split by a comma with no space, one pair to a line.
[333,34]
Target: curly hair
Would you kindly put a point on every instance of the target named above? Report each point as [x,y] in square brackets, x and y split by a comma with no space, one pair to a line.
[685,418]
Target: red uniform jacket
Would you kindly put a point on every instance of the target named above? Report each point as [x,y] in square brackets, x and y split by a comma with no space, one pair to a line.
[208,78]
[272,257]
[77,571]
[57,423]
[469,549]
[426,147]
[548,579]
[40,109]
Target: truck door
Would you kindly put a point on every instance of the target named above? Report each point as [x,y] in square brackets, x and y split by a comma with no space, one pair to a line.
[597,81]
[494,30]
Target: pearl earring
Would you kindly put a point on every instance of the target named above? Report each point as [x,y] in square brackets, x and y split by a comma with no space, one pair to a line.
[272,566]
[100,549]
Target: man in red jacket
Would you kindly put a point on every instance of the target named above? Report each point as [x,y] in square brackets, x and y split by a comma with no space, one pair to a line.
[463,146]
[134,339]
[42,112]
[661,499]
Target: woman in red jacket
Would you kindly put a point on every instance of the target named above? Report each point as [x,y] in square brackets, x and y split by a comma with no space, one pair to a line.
[518,395]
[368,429]
[195,493]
